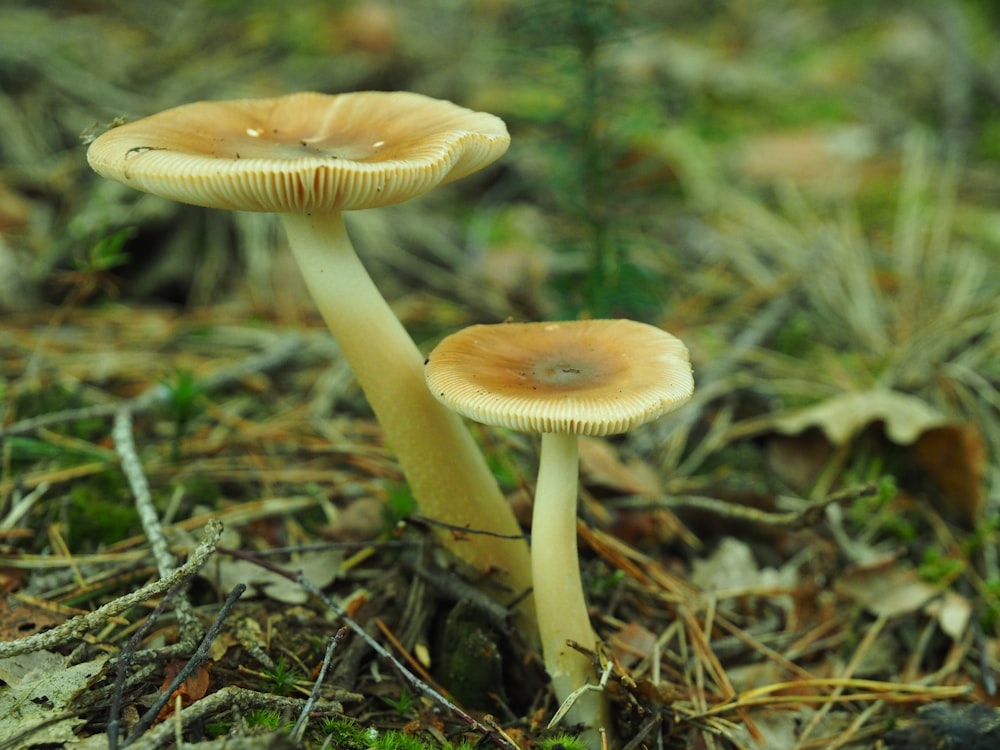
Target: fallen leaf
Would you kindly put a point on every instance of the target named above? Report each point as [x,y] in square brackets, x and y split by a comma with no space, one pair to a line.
[193,688]
[600,465]
[30,666]
[887,588]
[954,457]
[952,612]
[20,618]
[732,566]
[797,460]
[319,567]
[952,454]
[842,417]
[632,644]
[32,700]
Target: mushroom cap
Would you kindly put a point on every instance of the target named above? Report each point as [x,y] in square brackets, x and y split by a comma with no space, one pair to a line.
[301,153]
[589,377]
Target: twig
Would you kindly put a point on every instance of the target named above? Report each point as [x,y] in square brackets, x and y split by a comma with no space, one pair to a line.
[196,659]
[77,626]
[783,694]
[125,661]
[226,697]
[808,515]
[645,729]
[418,520]
[848,672]
[22,505]
[457,588]
[121,433]
[414,682]
[300,726]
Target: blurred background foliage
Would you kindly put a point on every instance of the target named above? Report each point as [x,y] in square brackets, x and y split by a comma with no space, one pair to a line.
[805,192]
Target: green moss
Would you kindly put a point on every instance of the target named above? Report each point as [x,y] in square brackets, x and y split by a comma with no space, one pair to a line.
[471,666]
[937,567]
[100,512]
[267,718]
[53,397]
[561,742]
[345,734]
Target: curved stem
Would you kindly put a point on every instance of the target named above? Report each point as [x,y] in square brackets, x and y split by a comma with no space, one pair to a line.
[562,610]
[446,471]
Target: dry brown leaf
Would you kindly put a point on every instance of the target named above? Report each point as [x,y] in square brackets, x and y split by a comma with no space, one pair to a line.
[632,644]
[952,612]
[954,457]
[951,453]
[600,465]
[797,459]
[321,567]
[827,160]
[20,618]
[193,688]
[887,588]
[843,417]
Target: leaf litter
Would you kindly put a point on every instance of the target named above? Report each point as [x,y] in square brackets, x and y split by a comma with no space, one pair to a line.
[800,559]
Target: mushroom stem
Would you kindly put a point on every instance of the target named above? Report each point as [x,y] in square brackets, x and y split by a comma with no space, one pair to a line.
[562,610]
[446,471]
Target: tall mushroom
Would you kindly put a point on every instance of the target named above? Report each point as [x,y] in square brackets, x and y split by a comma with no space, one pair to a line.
[589,377]
[309,157]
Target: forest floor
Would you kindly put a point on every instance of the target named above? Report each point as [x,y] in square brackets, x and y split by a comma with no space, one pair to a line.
[194,490]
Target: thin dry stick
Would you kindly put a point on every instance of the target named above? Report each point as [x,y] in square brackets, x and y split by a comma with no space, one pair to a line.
[77,626]
[497,738]
[768,652]
[300,726]
[889,692]
[21,505]
[125,662]
[190,627]
[146,720]
[805,517]
[646,728]
[247,700]
[851,733]
[410,658]
[863,647]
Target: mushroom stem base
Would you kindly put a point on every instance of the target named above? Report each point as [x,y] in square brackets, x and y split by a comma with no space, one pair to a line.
[562,610]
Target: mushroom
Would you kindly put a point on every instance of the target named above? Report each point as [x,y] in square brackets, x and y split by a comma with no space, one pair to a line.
[588,377]
[309,157]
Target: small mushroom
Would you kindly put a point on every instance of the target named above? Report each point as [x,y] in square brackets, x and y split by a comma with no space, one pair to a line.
[589,377]
[309,157]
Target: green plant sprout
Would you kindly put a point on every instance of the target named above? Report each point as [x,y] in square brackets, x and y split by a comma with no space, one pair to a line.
[400,505]
[108,252]
[592,131]
[267,718]
[92,273]
[401,705]
[183,404]
[936,567]
[876,513]
[283,677]
[989,616]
